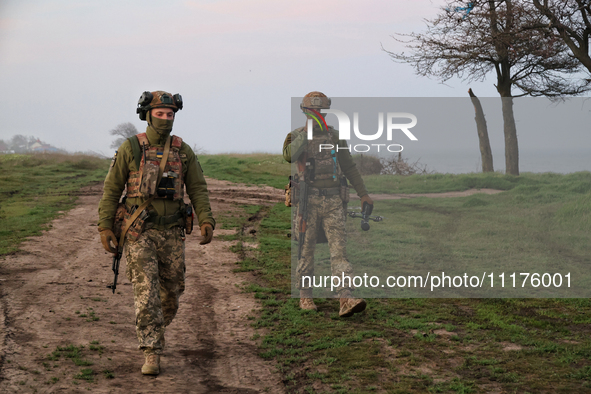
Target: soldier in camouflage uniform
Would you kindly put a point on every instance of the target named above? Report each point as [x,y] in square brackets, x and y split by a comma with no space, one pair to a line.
[155,254]
[325,204]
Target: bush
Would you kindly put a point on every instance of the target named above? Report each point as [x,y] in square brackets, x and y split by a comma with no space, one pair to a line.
[367,164]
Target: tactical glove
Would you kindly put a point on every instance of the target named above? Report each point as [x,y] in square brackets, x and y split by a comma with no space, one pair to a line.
[206,233]
[107,237]
[366,199]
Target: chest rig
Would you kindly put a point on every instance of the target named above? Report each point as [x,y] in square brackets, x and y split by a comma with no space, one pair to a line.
[142,183]
[319,165]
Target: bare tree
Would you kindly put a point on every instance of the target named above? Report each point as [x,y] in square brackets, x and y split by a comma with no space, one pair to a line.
[494,36]
[482,129]
[199,150]
[124,131]
[570,20]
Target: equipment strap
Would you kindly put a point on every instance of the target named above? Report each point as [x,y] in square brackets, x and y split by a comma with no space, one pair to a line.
[165,220]
[135,148]
[333,191]
[146,203]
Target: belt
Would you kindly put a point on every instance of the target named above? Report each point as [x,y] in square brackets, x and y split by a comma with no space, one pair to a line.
[166,220]
[333,191]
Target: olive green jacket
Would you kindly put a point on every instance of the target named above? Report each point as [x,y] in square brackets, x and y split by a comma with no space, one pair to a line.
[295,144]
[124,162]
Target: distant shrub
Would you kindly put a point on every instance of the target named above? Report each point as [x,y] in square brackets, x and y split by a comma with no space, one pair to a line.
[367,164]
[398,165]
[76,161]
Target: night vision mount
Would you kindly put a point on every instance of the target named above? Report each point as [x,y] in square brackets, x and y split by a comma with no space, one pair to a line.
[164,100]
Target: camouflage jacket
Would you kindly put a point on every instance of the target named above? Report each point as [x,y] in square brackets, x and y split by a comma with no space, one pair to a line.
[124,162]
[295,144]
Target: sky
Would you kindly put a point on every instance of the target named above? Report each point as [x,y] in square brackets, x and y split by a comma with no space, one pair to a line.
[70,71]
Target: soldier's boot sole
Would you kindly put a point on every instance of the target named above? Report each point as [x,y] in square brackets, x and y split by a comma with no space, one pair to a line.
[350,306]
[152,365]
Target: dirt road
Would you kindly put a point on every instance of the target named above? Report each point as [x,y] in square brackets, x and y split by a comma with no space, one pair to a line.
[53,294]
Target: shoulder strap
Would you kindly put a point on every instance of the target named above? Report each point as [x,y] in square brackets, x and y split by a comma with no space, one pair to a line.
[176,141]
[146,203]
[135,148]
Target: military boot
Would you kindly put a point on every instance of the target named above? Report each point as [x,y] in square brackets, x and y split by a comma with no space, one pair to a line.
[306,300]
[152,364]
[350,305]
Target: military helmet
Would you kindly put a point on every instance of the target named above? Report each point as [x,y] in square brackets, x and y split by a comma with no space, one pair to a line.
[315,100]
[158,99]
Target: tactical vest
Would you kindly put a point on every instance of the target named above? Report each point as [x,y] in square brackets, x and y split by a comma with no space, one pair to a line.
[325,163]
[142,183]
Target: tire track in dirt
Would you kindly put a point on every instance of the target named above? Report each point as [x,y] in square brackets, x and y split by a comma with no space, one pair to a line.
[62,275]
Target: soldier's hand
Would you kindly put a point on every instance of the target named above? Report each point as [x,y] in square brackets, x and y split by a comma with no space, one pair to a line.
[107,237]
[206,233]
[366,199]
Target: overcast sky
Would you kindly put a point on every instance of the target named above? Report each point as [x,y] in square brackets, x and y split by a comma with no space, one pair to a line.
[72,70]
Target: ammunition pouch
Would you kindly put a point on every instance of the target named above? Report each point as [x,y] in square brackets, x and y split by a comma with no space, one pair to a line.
[287,192]
[189,218]
[166,188]
[137,227]
[119,219]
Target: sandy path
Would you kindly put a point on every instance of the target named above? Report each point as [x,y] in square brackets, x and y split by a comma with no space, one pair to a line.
[208,345]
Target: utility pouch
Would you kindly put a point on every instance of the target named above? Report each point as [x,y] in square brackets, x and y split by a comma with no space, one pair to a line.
[166,187]
[294,194]
[344,190]
[149,178]
[119,219]
[189,218]
[138,226]
[287,191]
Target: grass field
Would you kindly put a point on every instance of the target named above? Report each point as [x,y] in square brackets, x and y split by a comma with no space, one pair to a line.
[440,345]
[412,345]
[256,168]
[34,189]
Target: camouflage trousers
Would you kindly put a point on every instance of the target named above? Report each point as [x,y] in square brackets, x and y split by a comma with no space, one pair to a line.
[156,268]
[328,212]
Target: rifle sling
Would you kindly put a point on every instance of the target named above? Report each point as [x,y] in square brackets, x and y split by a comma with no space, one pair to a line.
[146,203]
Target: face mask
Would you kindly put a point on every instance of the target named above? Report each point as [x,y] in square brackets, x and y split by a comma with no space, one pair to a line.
[161,126]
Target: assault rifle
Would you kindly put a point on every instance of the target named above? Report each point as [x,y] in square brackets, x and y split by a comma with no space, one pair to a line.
[303,202]
[365,216]
[303,215]
[115,268]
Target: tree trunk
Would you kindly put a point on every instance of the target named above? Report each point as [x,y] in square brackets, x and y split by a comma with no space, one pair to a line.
[482,129]
[511,147]
[504,82]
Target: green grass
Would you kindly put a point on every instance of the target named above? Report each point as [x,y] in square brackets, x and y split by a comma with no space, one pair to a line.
[396,346]
[257,168]
[542,228]
[437,183]
[71,352]
[35,188]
